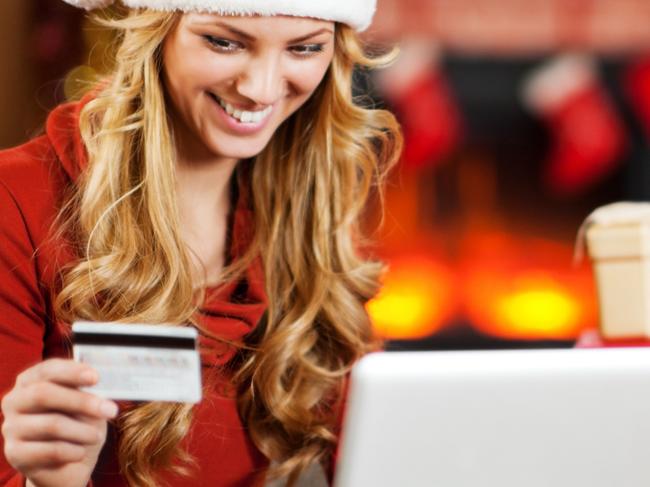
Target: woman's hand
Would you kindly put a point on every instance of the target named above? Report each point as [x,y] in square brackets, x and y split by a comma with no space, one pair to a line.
[53,432]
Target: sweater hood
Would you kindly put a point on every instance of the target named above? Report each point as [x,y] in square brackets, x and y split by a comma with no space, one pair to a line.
[62,129]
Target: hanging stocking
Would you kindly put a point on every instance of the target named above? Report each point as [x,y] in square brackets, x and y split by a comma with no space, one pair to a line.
[423,102]
[637,87]
[588,138]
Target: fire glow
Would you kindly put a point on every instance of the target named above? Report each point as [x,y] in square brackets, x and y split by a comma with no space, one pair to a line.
[415,300]
[497,293]
[529,307]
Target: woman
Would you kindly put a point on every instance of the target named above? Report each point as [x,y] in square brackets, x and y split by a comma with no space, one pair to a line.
[213,179]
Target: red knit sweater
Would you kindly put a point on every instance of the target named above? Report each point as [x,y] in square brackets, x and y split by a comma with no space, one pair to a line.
[33,181]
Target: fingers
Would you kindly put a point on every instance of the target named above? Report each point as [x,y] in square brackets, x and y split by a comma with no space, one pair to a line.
[46,396]
[51,386]
[49,427]
[50,424]
[61,371]
[25,455]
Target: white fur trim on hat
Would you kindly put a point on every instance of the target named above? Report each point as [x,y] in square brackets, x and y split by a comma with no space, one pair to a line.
[356,13]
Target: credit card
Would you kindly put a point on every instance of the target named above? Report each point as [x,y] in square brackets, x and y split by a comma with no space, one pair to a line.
[140,362]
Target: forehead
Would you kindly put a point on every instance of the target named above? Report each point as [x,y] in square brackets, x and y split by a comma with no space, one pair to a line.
[276,27]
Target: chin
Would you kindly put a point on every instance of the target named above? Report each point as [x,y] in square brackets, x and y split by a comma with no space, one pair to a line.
[241,149]
[236,153]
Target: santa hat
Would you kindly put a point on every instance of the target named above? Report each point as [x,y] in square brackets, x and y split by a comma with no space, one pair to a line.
[356,13]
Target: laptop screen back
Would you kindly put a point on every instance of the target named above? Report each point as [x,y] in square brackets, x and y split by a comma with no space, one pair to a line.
[534,418]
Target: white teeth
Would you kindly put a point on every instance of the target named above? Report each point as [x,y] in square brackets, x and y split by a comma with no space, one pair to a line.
[245,116]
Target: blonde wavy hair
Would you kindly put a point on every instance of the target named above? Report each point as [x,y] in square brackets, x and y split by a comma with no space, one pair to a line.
[133,265]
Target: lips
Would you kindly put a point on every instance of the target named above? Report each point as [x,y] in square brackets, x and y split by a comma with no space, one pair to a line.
[242,116]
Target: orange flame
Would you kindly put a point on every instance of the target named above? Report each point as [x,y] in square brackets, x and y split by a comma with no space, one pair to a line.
[526,289]
[538,308]
[415,300]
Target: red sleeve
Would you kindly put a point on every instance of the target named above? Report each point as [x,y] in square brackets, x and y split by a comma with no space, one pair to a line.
[22,308]
[17,480]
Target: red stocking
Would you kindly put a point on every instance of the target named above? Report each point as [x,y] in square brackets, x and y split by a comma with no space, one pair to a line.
[424,104]
[637,86]
[588,136]
[430,120]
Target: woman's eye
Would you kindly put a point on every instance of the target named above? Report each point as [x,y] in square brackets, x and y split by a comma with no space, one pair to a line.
[223,45]
[307,49]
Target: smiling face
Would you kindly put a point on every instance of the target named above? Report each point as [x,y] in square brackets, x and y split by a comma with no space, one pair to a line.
[232,81]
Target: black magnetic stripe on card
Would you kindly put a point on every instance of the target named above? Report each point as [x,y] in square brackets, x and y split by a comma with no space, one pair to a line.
[117,340]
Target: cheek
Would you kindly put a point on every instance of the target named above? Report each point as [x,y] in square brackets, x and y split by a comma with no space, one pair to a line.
[305,80]
[191,67]
[193,74]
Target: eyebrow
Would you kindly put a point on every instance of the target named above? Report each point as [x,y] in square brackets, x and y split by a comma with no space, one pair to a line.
[249,37]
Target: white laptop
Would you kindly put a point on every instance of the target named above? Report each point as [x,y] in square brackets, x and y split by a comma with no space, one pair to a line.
[533,418]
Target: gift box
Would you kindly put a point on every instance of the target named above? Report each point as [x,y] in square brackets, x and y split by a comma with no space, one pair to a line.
[618,241]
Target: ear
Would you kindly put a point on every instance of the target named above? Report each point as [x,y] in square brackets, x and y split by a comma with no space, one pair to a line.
[90,4]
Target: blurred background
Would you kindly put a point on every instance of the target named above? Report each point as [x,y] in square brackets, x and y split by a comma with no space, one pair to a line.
[520,118]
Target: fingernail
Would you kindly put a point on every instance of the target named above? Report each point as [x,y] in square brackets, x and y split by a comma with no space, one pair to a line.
[89,376]
[108,409]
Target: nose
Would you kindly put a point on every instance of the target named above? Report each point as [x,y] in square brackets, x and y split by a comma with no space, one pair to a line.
[262,80]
